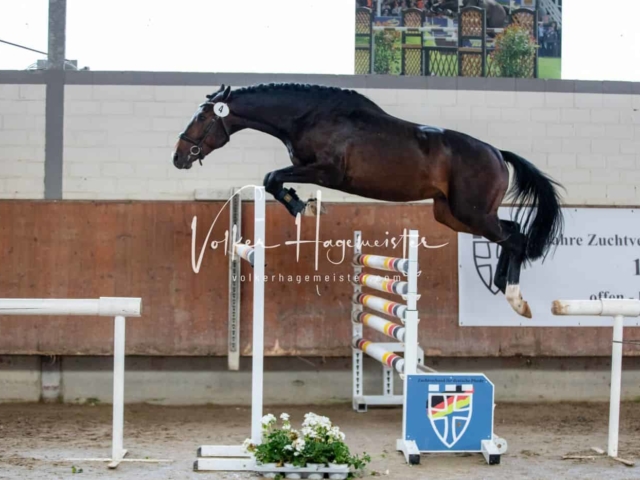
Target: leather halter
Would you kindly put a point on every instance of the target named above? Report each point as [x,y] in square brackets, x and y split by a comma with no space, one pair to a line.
[196,148]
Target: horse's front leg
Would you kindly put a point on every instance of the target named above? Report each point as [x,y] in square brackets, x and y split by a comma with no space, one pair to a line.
[322,175]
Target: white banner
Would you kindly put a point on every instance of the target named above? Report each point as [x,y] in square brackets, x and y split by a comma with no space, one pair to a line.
[598,256]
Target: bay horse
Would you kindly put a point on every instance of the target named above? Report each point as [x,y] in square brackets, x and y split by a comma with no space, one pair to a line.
[340,139]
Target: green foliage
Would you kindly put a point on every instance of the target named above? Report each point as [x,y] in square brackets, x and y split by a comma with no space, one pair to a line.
[339,453]
[317,442]
[272,449]
[316,451]
[514,52]
[387,52]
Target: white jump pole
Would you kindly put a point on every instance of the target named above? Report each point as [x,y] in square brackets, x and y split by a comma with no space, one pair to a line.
[257,372]
[103,306]
[118,451]
[117,307]
[618,309]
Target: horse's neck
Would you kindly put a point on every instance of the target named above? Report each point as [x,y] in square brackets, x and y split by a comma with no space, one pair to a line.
[269,114]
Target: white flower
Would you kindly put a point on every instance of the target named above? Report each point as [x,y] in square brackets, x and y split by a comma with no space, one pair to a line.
[284,416]
[286,426]
[324,421]
[268,419]
[335,433]
[288,448]
[299,444]
[247,444]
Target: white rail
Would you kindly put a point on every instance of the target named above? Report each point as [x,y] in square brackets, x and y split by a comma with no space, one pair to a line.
[103,306]
[118,307]
[618,309]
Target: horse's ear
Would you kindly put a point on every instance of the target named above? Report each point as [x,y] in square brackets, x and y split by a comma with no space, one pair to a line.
[226,93]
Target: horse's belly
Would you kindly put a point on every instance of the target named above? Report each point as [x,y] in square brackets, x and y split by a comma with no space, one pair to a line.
[385,172]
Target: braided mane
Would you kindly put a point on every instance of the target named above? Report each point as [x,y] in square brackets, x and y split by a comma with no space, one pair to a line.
[318,91]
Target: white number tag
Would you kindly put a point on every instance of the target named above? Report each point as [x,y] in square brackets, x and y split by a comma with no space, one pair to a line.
[221,109]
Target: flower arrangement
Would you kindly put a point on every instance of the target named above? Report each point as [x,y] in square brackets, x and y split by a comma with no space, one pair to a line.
[317,444]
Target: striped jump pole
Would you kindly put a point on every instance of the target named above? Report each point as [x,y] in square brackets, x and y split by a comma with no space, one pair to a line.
[390,264]
[378,352]
[383,284]
[381,305]
[390,329]
[246,252]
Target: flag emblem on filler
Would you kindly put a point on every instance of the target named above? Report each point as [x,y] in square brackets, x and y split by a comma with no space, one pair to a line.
[449,410]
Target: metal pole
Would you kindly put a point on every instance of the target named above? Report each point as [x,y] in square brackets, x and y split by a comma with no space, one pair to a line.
[235,223]
[258,316]
[118,451]
[57,34]
[616,380]
[357,328]
[411,324]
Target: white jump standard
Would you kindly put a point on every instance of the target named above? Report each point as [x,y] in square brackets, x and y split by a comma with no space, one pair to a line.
[617,309]
[235,457]
[117,307]
[385,353]
[407,335]
[225,457]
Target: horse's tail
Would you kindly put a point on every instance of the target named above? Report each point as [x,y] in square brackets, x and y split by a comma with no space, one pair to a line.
[532,186]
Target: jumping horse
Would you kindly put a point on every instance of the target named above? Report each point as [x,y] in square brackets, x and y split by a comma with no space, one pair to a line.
[340,139]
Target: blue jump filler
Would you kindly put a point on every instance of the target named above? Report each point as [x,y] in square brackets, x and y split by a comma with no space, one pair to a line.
[452,413]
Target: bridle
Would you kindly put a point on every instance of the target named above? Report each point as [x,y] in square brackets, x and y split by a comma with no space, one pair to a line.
[196,148]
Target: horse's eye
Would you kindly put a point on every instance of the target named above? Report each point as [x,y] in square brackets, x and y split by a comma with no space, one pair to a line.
[201,118]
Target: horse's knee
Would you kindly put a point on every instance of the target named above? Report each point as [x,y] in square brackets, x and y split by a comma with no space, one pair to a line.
[269,182]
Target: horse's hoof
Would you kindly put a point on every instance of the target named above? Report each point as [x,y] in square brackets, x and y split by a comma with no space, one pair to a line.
[311,210]
[519,305]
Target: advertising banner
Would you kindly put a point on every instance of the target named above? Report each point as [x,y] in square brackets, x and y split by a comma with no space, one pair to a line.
[598,256]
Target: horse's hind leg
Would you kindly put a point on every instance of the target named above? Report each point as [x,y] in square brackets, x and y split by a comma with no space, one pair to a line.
[465,214]
[443,214]
[514,246]
[500,278]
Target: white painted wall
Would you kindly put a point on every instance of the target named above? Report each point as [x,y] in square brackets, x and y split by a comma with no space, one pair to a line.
[22,127]
[118,140]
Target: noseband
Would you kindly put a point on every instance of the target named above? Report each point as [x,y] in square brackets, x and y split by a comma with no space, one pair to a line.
[196,149]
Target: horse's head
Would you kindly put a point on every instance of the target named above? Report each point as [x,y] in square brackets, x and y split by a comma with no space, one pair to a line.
[205,132]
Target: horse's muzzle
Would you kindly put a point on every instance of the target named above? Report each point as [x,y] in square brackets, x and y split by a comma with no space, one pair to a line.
[181,164]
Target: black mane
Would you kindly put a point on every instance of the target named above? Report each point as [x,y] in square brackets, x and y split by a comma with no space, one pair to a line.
[320,92]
